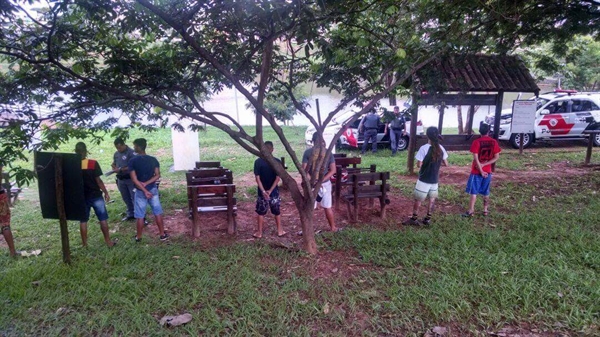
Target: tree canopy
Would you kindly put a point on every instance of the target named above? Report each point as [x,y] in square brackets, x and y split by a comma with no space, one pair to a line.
[159,59]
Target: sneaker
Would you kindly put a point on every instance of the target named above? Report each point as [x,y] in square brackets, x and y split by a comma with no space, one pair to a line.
[127,218]
[135,238]
[164,237]
[411,222]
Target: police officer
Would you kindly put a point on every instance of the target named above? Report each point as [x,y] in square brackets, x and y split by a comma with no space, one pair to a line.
[397,128]
[120,159]
[369,125]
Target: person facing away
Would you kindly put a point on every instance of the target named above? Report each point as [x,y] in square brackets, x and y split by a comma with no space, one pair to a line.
[145,171]
[397,128]
[93,188]
[327,171]
[268,193]
[486,151]
[119,165]
[5,219]
[430,158]
[369,126]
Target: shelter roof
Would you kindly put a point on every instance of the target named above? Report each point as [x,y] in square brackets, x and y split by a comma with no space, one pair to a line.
[476,73]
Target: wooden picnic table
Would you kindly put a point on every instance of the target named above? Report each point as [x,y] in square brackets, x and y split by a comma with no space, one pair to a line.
[588,154]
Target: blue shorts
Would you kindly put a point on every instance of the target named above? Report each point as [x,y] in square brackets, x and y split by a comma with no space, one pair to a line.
[99,208]
[477,184]
[139,207]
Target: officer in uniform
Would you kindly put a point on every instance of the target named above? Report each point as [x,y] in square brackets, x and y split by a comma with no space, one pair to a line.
[369,125]
[397,128]
[120,159]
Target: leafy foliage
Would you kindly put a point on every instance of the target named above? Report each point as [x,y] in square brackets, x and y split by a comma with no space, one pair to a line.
[155,60]
[578,64]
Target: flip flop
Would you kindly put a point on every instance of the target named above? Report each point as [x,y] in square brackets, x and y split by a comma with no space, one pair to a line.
[280,235]
[467,214]
[256,236]
[485,213]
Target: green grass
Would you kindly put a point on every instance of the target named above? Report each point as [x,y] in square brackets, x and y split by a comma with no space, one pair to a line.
[533,260]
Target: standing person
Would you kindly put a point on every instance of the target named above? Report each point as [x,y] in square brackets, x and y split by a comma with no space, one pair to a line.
[328,170]
[486,151]
[93,187]
[397,128]
[121,159]
[369,126]
[145,171]
[268,193]
[429,159]
[5,218]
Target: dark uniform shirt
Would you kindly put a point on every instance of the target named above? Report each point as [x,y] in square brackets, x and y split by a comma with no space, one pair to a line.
[121,159]
[371,121]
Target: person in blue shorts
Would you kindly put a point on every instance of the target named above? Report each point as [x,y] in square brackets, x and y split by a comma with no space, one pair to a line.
[486,151]
[93,189]
[145,171]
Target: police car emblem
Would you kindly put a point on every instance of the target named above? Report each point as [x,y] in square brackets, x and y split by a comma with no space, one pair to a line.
[553,122]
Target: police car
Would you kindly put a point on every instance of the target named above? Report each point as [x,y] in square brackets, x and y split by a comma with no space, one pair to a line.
[352,138]
[561,115]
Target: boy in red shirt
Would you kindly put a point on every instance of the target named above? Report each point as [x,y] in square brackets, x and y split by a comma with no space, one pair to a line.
[486,151]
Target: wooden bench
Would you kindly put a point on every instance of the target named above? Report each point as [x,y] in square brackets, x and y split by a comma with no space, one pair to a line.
[339,155]
[208,164]
[347,161]
[11,188]
[377,188]
[340,183]
[213,198]
[210,176]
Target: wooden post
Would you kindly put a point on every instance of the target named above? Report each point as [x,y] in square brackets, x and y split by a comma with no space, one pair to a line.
[60,205]
[195,215]
[521,135]
[497,115]
[230,219]
[412,141]
[470,116]
[588,154]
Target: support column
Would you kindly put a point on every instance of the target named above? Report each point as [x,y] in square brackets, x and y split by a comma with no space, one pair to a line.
[412,141]
[498,114]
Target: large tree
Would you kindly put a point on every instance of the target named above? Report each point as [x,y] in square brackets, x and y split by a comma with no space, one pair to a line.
[158,58]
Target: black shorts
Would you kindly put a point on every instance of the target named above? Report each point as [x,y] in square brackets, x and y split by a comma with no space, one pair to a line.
[263,205]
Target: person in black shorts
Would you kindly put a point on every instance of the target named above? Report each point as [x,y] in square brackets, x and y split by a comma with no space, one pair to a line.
[268,193]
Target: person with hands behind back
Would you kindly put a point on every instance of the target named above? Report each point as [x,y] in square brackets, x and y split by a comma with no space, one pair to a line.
[486,152]
[145,171]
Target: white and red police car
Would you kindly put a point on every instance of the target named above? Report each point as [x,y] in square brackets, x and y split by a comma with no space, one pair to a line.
[562,115]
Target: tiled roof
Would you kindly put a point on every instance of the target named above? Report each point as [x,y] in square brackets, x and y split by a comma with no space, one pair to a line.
[483,73]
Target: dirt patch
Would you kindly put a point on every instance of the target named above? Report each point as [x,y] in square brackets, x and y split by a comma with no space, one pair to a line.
[458,175]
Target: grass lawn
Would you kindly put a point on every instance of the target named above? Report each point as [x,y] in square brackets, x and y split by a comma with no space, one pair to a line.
[533,262]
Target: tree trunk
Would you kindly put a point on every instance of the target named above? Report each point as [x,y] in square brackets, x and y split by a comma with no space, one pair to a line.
[305,204]
[461,130]
[308,230]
